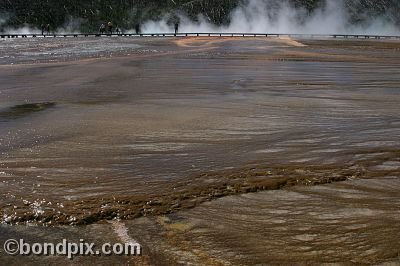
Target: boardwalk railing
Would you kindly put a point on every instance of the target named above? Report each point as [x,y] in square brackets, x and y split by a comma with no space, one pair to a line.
[65,35]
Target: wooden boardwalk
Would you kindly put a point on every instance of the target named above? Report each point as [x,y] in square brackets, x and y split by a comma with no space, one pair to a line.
[76,35]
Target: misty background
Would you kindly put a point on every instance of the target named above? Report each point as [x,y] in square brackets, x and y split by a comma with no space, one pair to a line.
[159,16]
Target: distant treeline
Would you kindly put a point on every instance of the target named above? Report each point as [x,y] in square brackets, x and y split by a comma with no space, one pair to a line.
[128,13]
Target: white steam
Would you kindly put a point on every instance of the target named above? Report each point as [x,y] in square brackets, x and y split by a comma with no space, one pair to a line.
[264,16]
[27,29]
[71,26]
[255,16]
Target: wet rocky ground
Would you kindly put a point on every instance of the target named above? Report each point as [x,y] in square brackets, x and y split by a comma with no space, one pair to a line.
[208,150]
[351,223]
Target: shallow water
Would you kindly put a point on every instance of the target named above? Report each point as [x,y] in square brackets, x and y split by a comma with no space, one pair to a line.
[177,123]
[349,223]
[354,222]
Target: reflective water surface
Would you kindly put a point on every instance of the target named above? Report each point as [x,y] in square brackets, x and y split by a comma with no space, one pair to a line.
[159,126]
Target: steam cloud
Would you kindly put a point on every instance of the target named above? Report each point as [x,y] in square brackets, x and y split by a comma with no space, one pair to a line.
[71,26]
[266,16]
[256,16]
